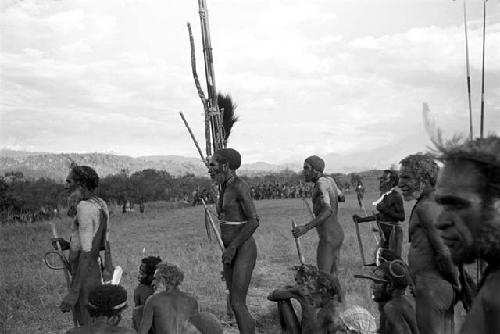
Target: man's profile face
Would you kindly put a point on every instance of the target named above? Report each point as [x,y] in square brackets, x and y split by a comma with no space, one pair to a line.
[142,276]
[380,291]
[385,182]
[408,183]
[463,217]
[308,172]
[216,170]
[70,185]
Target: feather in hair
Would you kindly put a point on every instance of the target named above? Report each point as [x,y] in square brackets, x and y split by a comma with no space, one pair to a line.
[226,104]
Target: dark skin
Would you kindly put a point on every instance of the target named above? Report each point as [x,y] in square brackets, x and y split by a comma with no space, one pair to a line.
[429,259]
[103,325]
[240,252]
[325,221]
[168,310]
[470,225]
[398,309]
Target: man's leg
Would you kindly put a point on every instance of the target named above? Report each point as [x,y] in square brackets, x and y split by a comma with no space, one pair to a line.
[288,319]
[434,304]
[243,265]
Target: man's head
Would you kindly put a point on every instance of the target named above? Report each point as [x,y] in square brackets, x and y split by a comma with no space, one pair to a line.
[321,286]
[388,180]
[83,179]
[418,171]
[147,269]
[223,164]
[313,168]
[388,278]
[468,190]
[108,301]
[167,277]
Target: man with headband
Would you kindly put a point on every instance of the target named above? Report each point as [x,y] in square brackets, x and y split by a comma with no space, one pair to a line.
[105,306]
[239,221]
[397,310]
[325,207]
[89,236]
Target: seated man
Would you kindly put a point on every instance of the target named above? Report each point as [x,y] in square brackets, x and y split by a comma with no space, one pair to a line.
[105,306]
[397,311]
[145,287]
[172,311]
[317,294]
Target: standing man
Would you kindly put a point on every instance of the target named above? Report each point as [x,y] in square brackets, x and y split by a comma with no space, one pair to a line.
[239,221]
[469,192]
[390,213]
[89,236]
[429,259]
[325,209]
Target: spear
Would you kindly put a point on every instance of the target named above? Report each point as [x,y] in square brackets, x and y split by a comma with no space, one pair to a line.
[482,72]
[467,65]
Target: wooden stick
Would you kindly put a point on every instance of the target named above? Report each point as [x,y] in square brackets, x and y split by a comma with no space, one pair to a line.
[193,138]
[212,224]
[67,275]
[360,244]
[298,246]
[201,94]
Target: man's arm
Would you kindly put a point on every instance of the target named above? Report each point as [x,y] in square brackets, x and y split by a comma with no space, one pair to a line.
[147,317]
[427,214]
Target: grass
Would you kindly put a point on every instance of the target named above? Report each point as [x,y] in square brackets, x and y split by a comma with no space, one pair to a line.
[30,292]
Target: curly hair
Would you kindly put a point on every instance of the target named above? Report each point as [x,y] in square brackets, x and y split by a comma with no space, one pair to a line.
[484,153]
[85,176]
[107,300]
[150,263]
[170,274]
[423,166]
[315,280]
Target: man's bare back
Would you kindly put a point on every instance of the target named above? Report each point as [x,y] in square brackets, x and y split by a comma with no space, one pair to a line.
[101,328]
[167,312]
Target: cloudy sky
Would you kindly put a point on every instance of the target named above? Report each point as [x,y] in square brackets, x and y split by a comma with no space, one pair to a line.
[339,78]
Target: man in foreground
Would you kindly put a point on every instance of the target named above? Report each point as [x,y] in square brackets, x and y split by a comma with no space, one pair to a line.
[325,208]
[429,259]
[167,310]
[469,192]
[390,280]
[105,306]
[145,288]
[239,221]
[89,236]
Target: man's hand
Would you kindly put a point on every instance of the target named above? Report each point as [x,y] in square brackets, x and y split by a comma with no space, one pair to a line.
[228,255]
[65,307]
[63,243]
[355,218]
[299,231]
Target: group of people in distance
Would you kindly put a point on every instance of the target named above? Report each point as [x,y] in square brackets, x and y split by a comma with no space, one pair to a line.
[455,221]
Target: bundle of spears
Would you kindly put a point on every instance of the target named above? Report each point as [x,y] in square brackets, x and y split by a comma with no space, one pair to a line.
[218,109]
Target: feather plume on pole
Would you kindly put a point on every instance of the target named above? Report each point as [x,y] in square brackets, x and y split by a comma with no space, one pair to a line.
[227,107]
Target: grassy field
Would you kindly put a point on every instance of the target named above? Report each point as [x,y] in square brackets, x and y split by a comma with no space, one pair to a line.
[30,292]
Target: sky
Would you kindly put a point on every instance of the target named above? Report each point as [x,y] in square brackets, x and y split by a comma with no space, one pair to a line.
[339,78]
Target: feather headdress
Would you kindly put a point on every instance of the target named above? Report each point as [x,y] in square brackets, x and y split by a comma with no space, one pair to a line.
[226,104]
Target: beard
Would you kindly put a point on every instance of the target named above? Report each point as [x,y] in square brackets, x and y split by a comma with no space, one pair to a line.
[488,239]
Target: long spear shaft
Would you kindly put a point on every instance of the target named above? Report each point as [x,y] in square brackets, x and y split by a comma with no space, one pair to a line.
[481,133]
[467,65]
[193,138]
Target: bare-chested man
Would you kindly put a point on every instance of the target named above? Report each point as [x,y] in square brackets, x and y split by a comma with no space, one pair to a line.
[239,221]
[317,294]
[469,192]
[105,305]
[89,236]
[325,208]
[390,280]
[166,311]
[429,259]
[145,288]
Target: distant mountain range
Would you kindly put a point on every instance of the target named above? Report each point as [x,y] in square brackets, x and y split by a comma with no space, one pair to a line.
[56,165]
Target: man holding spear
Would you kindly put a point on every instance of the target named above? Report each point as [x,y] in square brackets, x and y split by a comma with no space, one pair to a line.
[239,221]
